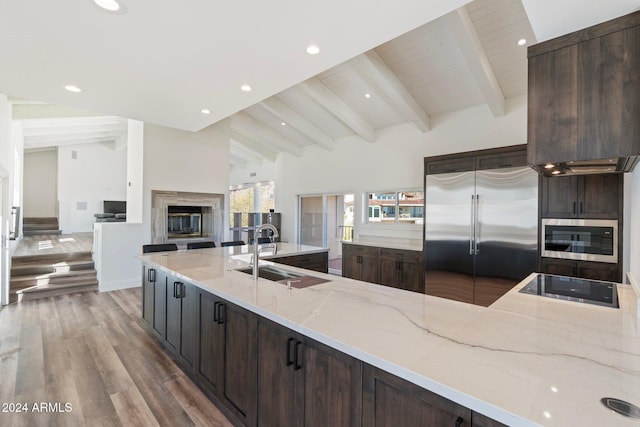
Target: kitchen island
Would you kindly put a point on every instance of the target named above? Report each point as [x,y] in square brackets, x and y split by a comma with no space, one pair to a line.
[524,361]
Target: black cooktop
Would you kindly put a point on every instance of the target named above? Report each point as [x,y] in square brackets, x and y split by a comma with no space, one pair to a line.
[573,289]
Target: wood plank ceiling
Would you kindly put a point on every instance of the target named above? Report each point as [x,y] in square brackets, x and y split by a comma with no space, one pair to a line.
[467,58]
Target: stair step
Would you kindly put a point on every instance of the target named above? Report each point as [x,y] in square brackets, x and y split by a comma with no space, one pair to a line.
[39,219]
[30,270]
[22,282]
[51,258]
[55,290]
[38,232]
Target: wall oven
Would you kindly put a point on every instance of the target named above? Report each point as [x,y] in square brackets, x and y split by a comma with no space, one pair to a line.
[580,239]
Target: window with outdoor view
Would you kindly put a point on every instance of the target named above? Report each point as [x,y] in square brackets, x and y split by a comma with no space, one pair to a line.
[400,207]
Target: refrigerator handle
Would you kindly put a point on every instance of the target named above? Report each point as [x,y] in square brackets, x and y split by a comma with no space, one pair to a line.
[472,225]
[476,226]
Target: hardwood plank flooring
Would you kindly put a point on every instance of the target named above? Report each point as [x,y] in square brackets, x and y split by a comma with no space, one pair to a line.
[45,244]
[90,351]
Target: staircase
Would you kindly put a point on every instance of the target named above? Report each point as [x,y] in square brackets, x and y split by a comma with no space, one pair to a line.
[41,276]
[31,226]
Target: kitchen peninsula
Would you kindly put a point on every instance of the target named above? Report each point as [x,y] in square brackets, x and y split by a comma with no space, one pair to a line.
[524,361]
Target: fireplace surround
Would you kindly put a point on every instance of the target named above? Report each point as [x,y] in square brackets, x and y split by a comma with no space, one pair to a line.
[181,217]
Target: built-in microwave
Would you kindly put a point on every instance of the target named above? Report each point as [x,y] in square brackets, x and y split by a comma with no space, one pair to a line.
[580,239]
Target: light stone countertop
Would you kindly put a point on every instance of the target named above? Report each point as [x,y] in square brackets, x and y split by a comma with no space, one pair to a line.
[524,361]
[413,245]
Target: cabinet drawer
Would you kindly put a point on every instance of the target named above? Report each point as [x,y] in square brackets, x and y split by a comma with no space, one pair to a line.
[401,255]
[349,249]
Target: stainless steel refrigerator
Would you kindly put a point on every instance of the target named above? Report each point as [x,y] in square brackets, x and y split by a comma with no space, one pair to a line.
[481,232]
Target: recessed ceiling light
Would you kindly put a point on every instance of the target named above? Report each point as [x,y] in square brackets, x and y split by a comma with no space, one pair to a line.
[245,88]
[549,166]
[556,172]
[283,123]
[313,49]
[367,95]
[205,111]
[522,42]
[110,5]
[73,88]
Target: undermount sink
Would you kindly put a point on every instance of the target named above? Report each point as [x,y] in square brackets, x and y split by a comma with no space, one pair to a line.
[281,275]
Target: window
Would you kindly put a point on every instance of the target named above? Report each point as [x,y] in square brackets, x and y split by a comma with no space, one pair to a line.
[244,199]
[406,207]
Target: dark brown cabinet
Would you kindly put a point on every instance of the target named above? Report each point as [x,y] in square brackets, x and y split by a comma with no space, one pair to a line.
[391,401]
[360,262]
[582,95]
[596,196]
[227,359]
[303,382]
[585,269]
[401,269]
[316,262]
[479,420]
[153,298]
[181,319]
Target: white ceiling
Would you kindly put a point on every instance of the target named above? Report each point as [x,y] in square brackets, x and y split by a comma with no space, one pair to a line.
[163,62]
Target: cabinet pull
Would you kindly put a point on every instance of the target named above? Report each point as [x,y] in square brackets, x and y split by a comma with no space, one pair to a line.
[289,361]
[459,421]
[215,311]
[151,275]
[175,293]
[296,360]
[183,290]
[222,313]
[581,207]
[574,207]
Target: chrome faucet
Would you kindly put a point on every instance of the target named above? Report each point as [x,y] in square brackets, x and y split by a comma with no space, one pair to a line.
[256,250]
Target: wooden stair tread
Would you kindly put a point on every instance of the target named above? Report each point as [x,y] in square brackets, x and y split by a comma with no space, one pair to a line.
[54,257]
[40,288]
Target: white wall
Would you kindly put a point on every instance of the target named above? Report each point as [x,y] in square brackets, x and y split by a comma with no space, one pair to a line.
[135,162]
[40,184]
[393,162]
[176,160]
[173,160]
[95,173]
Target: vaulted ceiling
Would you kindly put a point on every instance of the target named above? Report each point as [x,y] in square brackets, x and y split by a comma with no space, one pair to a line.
[459,58]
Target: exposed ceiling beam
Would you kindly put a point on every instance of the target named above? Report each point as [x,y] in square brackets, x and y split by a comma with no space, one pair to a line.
[70,122]
[263,132]
[239,150]
[476,58]
[116,129]
[295,120]
[39,142]
[329,100]
[372,69]
[256,147]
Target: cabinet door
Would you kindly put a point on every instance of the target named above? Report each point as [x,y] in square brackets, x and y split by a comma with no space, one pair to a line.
[316,262]
[188,323]
[148,291]
[560,267]
[173,314]
[159,302]
[332,394]
[508,159]
[370,268]
[240,368]
[479,420]
[212,337]
[276,375]
[608,76]
[390,271]
[450,164]
[553,106]
[599,196]
[351,266]
[560,197]
[599,271]
[391,401]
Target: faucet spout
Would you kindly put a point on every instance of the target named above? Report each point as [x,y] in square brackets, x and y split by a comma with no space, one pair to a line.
[256,250]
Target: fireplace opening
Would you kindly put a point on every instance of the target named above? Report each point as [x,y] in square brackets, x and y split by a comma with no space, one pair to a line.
[184,222]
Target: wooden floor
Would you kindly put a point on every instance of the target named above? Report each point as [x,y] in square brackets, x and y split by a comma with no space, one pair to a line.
[88,359]
[45,244]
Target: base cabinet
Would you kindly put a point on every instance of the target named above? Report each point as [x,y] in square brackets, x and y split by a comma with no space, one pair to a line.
[227,354]
[584,269]
[398,268]
[153,298]
[389,401]
[303,382]
[316,262]
[181,319]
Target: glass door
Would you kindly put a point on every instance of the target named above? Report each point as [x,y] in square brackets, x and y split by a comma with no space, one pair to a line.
[325,221]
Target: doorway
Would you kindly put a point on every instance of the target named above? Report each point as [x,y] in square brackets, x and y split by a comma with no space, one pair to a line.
[326,221]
